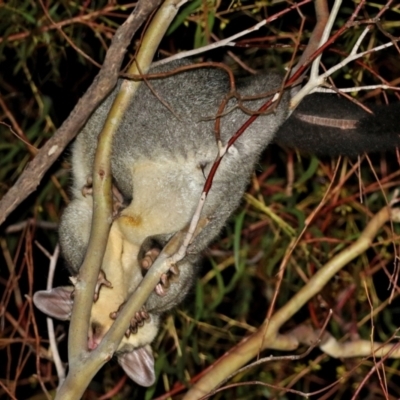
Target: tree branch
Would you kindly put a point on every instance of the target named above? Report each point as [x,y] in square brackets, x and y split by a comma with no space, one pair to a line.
[84,364]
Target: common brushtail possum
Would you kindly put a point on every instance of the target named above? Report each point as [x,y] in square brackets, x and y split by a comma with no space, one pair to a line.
[162,154]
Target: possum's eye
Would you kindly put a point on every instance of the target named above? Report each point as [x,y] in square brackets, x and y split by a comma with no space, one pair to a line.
[96,329]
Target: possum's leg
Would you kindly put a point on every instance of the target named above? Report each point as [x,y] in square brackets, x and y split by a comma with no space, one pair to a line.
[119,202]
[87,190]
[136,322]
[175,284]
[74,231]
[148,253]
[101,280]
[165,281]
[75,225]
[149,257]
[164,298]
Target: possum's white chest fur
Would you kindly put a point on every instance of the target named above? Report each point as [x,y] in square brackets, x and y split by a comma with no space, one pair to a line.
[165,195]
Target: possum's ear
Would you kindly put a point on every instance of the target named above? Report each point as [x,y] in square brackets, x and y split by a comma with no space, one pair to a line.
[139,365]
[56,303]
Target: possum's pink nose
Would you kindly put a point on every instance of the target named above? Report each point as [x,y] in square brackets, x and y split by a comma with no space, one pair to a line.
[93,342]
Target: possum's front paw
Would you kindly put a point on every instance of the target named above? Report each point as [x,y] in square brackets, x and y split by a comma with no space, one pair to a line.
[149,257]
[87,190]
[165,281]
[118,199]
[101,280]
[136,322]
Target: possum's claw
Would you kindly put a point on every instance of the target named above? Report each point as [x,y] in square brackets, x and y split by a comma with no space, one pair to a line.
[136,322]
[165,280]
[101,280]
[88,188]
[118,199]
[150,256]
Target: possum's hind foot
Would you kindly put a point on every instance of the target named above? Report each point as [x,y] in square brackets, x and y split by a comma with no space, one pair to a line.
[147,261]
[136,322]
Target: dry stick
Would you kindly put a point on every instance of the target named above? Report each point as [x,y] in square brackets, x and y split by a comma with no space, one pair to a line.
[305,334]
[249,347]
[323,41]
[317,80]
[359,348]
[322,13]
[366,378]
[230,41]
[325,36]
[384,389]
[358,88]
[101,86]
[84,364]
[50,323]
